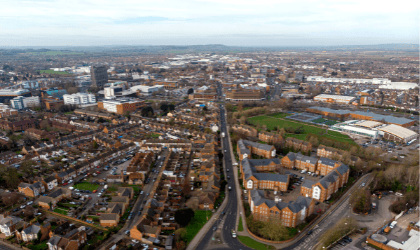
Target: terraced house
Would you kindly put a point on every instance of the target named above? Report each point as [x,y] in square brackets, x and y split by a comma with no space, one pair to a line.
[31,190]
[324,188]
[254,180]
[291,214]
[246,148]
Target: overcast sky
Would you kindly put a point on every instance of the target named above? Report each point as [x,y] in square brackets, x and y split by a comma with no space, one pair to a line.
[189,22]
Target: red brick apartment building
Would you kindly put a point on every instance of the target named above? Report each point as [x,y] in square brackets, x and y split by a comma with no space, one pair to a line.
[290,214]
[324,188]
[246,130]
[246,148]
[298,145]
[270,137]
[254,179]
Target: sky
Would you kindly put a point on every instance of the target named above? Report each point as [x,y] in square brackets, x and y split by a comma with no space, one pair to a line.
[193,22]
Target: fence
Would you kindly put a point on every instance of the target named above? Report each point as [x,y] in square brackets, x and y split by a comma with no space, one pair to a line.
[73,219]
[12,245]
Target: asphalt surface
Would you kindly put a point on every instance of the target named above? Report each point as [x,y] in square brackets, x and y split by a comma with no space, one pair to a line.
[225,223]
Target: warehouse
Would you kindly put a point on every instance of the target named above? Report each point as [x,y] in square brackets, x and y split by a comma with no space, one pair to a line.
[341,99]
[351,127]
[361,115]
[397,133]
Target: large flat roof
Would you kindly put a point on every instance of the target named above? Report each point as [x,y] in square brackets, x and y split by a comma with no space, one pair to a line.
[398,131]
[377,117]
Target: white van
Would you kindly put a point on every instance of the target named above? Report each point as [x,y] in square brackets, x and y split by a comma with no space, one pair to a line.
[106,186]
[393,224]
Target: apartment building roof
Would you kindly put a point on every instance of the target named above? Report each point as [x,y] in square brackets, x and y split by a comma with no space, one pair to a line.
[296,206]
[327,161]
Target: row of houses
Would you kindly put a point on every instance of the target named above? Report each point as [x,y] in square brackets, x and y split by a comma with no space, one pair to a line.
[116,208]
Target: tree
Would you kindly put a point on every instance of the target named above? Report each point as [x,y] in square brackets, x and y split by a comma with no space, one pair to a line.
[147,112]
[360,201]
[184,216]
[26,166]
[282,132]
[190,91]
[164,107]
[12,199]
[12,178]
[274,230]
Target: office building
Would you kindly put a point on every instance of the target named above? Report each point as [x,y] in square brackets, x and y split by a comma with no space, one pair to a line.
[99,76]
[21,102]
[121,105]
[79,98]
[146,90]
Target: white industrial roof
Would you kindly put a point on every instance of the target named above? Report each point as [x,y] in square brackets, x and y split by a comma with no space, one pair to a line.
[368,124]
[337,97]
[357,129]
[411,244]
[398,131]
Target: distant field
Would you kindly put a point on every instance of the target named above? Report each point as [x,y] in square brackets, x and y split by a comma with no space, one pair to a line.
[271,122]
[280,115]
[49,71]
[55,53]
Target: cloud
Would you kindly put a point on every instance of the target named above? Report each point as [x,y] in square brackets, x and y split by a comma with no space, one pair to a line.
[148,19]
[223,21]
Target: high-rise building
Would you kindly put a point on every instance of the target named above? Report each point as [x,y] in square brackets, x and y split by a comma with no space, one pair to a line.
[99,76]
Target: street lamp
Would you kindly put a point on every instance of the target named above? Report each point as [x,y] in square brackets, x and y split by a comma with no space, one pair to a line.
[206,206]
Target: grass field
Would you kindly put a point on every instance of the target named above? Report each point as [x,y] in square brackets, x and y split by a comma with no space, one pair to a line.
[196,224]
[280,115]
[49,71]
[271,122]
[319,120]
[252,243]
[86,186]
[60,211]
[240,226]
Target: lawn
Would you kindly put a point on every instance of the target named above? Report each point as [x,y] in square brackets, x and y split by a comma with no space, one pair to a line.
[196,224]
[271,122]
[280,115]
[319,120]
[86,186]
[60,211]
[240,226]
[252,243]
[41,246]
[155,135]
[49,71]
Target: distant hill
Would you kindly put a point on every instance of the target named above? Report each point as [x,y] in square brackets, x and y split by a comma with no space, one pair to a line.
[180,49]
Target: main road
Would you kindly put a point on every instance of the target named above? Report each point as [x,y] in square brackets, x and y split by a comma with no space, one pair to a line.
[227,222]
